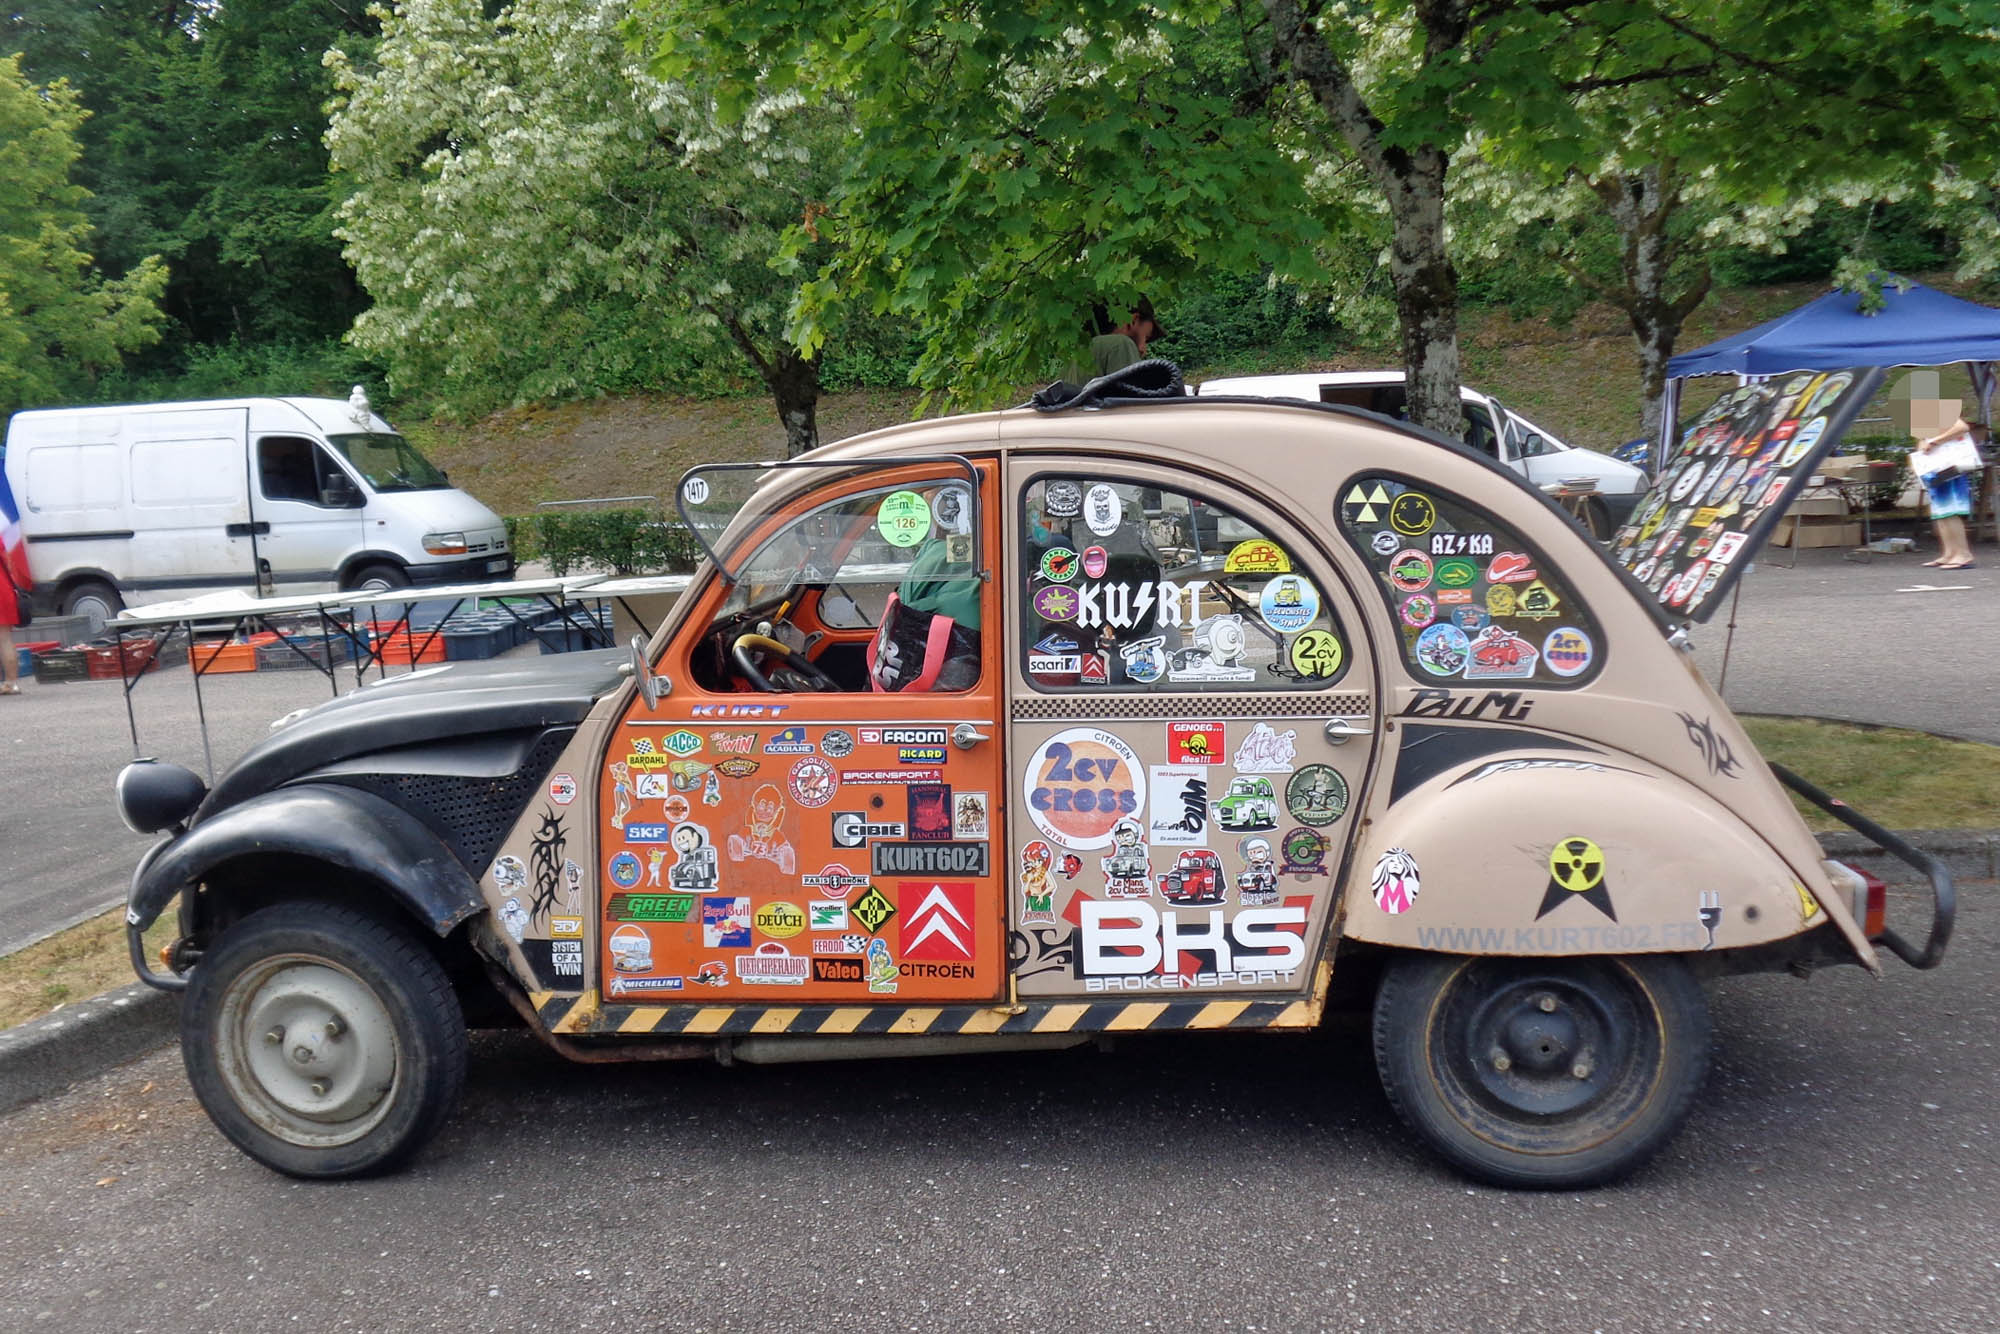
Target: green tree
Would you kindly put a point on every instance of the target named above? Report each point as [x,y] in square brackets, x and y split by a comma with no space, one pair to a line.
[61,323]
[532,211]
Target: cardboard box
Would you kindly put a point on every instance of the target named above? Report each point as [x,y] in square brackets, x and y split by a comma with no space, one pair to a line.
[1819,502]
[1813,532]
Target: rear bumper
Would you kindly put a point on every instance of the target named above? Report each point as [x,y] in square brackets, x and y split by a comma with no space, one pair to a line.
[1944,895]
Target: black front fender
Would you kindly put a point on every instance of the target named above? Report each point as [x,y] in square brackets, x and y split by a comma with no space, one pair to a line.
[339,826]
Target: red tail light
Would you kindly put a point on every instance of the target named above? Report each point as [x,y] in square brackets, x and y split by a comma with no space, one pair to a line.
[1871,906]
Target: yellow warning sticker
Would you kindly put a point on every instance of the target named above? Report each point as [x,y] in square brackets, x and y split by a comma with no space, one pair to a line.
[1808,905]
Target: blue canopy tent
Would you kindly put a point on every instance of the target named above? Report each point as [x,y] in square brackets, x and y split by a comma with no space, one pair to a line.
[1917,326]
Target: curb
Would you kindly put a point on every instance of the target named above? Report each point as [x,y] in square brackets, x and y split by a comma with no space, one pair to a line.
[48,1054]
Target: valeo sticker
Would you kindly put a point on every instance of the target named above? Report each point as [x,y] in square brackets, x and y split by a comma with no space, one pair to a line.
[904,519]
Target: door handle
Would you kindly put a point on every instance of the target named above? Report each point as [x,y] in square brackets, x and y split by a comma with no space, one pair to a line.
[965,736]
[259,529]
[1339,731]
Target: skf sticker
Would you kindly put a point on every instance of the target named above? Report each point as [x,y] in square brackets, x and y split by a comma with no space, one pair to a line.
[1396,880]
[1576,870]
[1195,743]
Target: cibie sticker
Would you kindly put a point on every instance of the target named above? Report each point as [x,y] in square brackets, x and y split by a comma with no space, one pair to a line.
[1289,603]
[1566,651]
[904,519]
[1079,783]
[1103,511]
[1396,882]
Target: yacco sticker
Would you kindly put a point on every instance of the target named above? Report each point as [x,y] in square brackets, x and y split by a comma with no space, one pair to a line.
[1566,651]
[1058,565]
[1289,603]
[904,519]
[1418,610]
[1510,567]
[937,920]
[1442,649]
[1258,555]
[1498,653]
[1411,571]
[1103,511]
[562,788]
[680,742]
[1180,806]
[1316,654]
[1316,795]
[1396,882]
[1195,743]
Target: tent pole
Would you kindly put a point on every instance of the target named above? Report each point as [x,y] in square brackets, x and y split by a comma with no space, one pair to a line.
[1729,636]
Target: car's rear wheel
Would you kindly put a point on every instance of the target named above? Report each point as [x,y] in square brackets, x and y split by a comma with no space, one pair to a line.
[94,600]
[323,1043]
[1552,1073]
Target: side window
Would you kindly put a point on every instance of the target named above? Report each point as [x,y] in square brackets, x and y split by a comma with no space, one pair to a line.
[1473,599]
[1479,432]
[1127,587]
[286,469]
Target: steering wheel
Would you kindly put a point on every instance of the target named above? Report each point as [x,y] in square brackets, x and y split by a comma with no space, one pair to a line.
[798,662]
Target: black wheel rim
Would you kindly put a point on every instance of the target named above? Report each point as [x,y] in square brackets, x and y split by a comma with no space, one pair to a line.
[1545,1056]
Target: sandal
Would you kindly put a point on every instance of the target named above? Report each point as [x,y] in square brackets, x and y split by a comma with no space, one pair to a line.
[1962,565]
[1935,563]
[9,688]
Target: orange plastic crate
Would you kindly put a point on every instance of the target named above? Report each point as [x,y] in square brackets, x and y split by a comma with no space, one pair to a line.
[400,648]
[229,658]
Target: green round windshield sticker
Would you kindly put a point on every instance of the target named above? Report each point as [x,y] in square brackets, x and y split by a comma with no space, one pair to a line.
[904,518]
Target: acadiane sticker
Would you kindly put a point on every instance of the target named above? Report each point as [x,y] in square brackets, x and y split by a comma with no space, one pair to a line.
[904,519]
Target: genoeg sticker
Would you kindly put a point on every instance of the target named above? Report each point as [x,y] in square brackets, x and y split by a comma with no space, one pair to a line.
[1289,603]
[1079,782]
[904,519]
[1195,743]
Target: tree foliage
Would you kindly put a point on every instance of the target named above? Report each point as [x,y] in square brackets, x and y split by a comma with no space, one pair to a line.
[61,322]
[537,216]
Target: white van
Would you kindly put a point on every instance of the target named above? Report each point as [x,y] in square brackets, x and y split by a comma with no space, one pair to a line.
[1490,426]
[150,502]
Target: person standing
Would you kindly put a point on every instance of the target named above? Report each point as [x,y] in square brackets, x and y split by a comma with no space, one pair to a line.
[1947,463]
[15,581]
[1114,347]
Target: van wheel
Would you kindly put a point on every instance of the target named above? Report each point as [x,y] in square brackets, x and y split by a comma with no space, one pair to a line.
[321,1042]
[94,599]
[1552,1073]
[377,579]
[1597,520]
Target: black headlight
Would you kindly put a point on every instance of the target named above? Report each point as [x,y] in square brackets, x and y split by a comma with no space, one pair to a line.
[153,796]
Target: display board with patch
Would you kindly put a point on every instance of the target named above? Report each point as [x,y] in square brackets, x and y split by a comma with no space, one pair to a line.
[1473,600]
[1127,587]
[1734,472]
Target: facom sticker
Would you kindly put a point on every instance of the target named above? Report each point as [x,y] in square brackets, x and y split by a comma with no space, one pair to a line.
[1079,782]
[904,519]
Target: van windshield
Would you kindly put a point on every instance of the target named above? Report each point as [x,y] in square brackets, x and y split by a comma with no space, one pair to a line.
[389,462]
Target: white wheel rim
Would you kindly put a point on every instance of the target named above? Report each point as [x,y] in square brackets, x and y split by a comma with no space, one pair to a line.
[308,1050]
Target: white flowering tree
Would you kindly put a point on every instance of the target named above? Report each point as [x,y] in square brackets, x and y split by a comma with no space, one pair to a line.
[534,215]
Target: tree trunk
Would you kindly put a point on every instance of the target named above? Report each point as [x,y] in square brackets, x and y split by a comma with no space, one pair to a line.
[1426,289]
[794,385]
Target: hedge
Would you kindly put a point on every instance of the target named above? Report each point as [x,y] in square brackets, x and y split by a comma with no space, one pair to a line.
[623,541]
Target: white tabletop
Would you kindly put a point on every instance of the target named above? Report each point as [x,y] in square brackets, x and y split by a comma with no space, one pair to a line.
[638,585]
[235,603]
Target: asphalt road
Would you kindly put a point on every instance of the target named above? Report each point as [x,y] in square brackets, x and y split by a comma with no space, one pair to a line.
[1840,1174]
[1831,638]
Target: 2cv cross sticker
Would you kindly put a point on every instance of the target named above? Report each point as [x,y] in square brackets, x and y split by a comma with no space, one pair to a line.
[1017,730]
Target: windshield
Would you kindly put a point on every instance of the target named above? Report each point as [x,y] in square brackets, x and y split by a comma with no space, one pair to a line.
[389,462]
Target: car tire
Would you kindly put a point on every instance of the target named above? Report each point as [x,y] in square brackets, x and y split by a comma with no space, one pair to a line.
[1597,520]
[380,577]
[93,599]
[1481,1058]
[321,1042]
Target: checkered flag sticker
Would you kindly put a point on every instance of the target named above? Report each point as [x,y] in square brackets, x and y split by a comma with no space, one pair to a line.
[642,746]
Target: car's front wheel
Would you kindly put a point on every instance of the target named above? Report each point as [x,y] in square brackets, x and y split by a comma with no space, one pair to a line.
[1553,1073]
[322,1042]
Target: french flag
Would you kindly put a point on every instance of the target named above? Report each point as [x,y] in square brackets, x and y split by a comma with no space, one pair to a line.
[13,547]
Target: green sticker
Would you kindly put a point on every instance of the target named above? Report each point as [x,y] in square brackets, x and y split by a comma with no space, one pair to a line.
[904,519]
[1457,573]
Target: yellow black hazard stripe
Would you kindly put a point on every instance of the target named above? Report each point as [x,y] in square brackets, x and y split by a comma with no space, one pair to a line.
[585,1016]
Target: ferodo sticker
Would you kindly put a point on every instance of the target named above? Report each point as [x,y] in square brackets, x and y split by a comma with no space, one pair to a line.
[1079,782]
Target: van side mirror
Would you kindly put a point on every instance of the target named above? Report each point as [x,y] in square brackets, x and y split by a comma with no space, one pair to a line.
[339,493]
